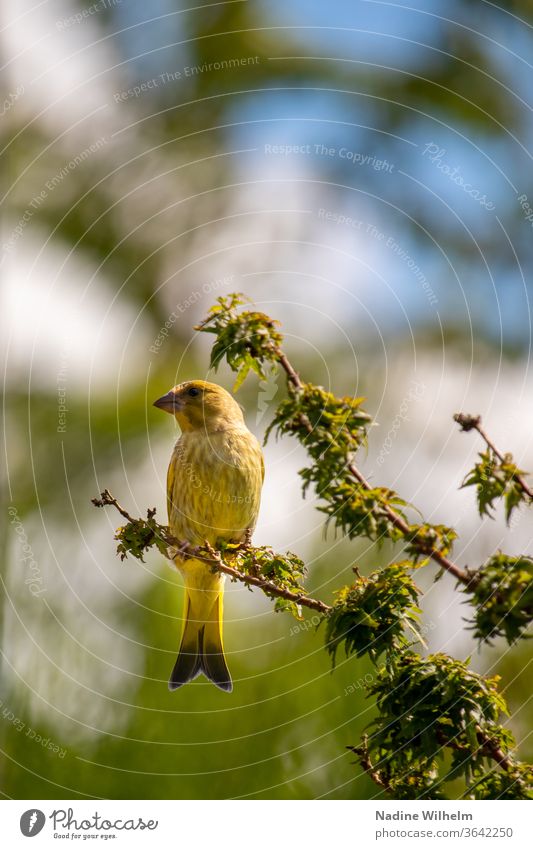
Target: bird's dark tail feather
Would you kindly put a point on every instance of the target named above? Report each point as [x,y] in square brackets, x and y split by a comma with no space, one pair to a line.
[201,651]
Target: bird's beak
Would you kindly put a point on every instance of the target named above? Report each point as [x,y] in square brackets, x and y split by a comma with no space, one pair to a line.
[170,403]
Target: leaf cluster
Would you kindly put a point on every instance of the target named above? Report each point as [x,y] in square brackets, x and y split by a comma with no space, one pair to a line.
[361,512]
[424,538]
[516,783]
[495,479]
[503,597]
[138,536]
[246,339]
[286,571]
[428,706]
[331,428]
[371,616]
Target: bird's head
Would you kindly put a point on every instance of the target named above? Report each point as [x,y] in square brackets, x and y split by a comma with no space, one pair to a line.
[199,405]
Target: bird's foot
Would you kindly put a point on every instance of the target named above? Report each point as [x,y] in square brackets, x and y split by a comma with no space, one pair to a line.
[180,551]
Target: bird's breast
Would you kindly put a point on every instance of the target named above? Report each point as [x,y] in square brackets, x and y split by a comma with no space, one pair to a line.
[214,486]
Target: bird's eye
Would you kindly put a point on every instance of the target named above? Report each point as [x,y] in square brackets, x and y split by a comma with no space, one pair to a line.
[193,392]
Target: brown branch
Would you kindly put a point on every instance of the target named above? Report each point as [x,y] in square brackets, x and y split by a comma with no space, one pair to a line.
[487,747]
[106,499]
[364,759]
[468,422]
[460,574]
[292,374]
[266,585]
[185,550]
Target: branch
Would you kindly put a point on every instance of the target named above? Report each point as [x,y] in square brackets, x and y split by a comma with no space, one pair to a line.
[364,759]
[467,423]
[266,585]
[494,751]
[487,748]
[462,575]
[106,499]
[185,550]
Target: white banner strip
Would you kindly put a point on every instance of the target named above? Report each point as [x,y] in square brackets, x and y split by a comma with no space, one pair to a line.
[268,824]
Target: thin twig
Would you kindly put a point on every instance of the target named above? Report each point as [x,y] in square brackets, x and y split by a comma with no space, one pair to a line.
[291,372]
[460,574]
[106,499]
[468,422]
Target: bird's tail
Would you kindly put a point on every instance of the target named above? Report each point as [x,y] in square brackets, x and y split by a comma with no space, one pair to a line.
[201,648]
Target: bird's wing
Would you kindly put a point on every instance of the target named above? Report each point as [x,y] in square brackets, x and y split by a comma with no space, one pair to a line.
[171,476]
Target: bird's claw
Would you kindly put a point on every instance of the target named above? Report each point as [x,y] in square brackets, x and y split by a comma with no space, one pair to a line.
[180,551]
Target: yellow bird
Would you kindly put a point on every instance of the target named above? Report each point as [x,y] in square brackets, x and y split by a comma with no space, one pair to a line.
[214,485]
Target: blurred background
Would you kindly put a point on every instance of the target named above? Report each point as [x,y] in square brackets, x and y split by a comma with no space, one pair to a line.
[362,170]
